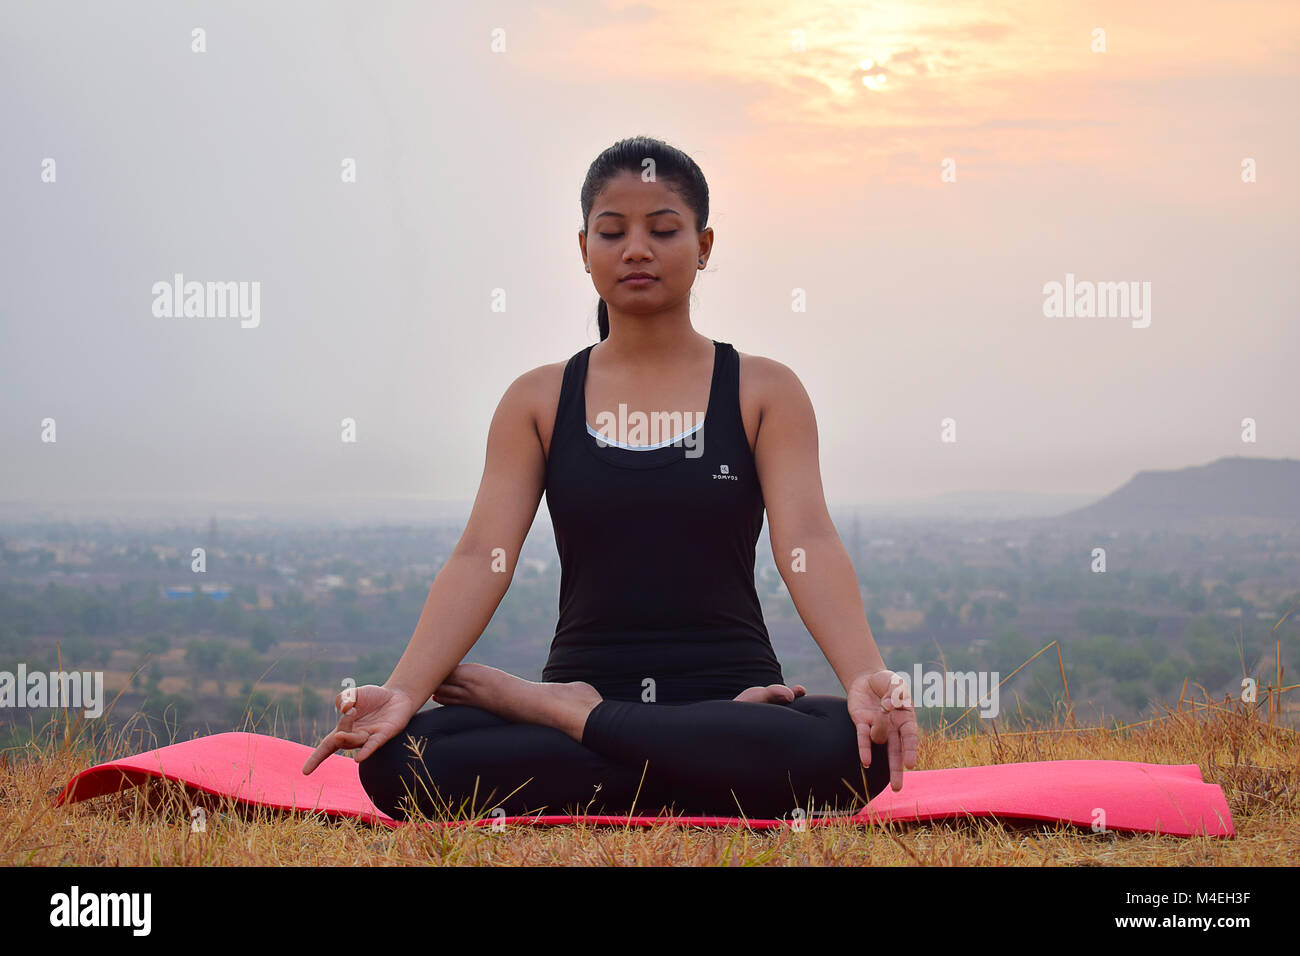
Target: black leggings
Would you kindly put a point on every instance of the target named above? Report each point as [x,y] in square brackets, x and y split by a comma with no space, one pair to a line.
[713,757]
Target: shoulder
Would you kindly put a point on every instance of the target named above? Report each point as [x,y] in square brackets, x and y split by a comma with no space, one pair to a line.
[786,425]
[766,370]
[536,393]
[768,383]
[541,378]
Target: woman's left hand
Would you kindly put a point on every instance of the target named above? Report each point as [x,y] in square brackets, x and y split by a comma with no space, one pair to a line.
[881,707]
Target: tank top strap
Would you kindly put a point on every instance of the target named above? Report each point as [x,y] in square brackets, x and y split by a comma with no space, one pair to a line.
[570,415]
[728,420]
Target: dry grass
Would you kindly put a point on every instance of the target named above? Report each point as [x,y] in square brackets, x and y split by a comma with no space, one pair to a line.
[1239,746]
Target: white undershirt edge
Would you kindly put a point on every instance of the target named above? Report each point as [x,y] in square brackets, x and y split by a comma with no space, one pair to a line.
[663,444]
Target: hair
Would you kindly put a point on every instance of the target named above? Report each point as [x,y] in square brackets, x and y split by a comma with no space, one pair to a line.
[671,167]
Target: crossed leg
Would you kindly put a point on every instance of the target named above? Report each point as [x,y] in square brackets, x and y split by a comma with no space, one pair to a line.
[464,761]
[713,757]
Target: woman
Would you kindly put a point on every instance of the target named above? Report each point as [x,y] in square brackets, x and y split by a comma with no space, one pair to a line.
[662,692]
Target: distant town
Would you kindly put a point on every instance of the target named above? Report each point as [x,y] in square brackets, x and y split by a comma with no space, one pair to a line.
[250,625]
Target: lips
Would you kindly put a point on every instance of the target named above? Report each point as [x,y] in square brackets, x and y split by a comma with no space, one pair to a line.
[637,275]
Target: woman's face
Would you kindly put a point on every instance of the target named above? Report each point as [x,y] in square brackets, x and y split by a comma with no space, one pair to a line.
[637,226]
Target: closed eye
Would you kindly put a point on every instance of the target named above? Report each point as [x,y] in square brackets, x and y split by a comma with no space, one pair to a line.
[615,235]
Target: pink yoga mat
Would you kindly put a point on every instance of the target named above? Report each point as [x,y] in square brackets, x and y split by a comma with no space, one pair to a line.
[1141,797]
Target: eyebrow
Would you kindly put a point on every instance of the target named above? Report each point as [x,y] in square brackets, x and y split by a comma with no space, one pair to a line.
[657,212]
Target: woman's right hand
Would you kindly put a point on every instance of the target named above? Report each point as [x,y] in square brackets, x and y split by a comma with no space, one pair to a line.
[369,717]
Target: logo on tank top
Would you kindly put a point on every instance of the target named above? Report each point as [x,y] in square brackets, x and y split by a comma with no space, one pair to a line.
[724,473]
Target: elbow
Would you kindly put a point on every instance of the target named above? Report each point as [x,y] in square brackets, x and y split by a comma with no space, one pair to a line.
[787,540]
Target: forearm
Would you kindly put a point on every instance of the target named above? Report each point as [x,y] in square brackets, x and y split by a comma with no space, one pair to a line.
[825,593]
[462,599]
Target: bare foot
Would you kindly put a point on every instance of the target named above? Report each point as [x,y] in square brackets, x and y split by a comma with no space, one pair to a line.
[771,694]
[564,706]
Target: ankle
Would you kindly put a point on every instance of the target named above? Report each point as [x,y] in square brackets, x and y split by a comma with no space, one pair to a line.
[584,700]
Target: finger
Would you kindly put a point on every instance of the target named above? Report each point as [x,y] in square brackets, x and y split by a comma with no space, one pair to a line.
[910,735]
[345,700]
[448,683]
[347,708]
[800,690]
[371,745]
[895,760]
[353,738]
[335,741]
[323,750]
[332,742]
[864,743]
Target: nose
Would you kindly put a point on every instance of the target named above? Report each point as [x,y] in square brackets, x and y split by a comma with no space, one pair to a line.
[637,248]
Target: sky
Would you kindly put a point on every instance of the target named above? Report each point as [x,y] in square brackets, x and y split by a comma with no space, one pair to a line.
[921,172]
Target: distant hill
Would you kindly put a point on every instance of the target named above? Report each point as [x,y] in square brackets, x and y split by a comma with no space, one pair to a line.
[1249,490]
[968,505]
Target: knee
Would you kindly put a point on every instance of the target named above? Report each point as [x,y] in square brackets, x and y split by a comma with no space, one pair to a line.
[837,734]
[825,741]
[388,773]
[405,764]
[836,751]
[835,748]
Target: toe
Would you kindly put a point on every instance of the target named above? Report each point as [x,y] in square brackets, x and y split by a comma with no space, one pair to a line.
[779,692]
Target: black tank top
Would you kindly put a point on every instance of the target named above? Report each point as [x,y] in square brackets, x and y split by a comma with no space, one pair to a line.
[657,553]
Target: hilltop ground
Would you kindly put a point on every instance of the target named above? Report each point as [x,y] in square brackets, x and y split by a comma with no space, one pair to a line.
[1239,746]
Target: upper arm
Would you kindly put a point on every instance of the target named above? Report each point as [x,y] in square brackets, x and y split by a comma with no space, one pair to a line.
[785,454]
[514,474]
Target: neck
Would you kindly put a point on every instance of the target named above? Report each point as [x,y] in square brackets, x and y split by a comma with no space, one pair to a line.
[659,338]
